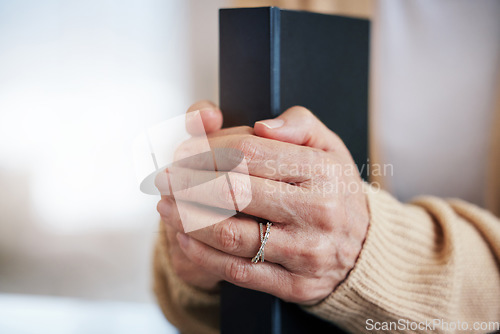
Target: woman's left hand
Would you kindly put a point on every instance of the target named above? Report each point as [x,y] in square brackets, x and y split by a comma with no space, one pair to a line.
[303,179]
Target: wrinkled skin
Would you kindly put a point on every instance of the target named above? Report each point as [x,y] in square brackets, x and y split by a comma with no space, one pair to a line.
[303,179]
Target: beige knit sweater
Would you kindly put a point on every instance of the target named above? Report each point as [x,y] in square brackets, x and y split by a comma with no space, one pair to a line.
[430,259]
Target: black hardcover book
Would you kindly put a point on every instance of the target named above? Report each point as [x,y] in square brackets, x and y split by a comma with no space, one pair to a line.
[272,59]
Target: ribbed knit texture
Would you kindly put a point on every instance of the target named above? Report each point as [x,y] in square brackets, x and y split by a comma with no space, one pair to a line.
[429,259]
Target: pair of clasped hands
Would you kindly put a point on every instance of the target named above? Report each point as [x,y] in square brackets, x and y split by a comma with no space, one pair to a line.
[297,180]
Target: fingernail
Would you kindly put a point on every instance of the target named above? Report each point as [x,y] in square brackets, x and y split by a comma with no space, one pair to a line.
[183,239]
[272,123]
[192,115]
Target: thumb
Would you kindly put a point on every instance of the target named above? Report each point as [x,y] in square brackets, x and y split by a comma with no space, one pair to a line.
[297,125]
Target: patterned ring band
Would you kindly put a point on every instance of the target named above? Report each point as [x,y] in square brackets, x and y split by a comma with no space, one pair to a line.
[263,241]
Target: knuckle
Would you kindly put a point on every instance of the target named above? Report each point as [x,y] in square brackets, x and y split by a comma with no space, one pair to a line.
[180,153]
[313,259]
[308,119]
[168,214]
[230,237]
[237,272]
[164,208]
[159,207]
[345,257]
[290,256]
[189,148]
[223,193]
[181,183]
[248,146]
[289,252]
[305,114]
[197,256]
[241,188]
[308,254]
[186,149]
[325,210]
[315,256]
[303,111]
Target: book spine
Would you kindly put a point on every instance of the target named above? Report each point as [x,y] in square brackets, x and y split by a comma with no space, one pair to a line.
[275,55]
[249,91]
[275,106]
[245,65]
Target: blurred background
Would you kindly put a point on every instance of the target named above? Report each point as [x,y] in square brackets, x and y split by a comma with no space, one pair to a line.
[79,80]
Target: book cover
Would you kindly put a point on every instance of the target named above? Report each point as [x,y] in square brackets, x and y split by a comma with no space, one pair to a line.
[272,59]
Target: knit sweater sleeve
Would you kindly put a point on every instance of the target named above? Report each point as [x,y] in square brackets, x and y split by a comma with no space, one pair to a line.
[431,259]
[187,308]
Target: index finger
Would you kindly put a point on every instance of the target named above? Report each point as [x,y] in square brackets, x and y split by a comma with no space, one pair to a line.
[211,117]
[265,158]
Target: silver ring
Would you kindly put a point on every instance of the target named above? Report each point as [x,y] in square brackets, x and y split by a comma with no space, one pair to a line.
[263,240]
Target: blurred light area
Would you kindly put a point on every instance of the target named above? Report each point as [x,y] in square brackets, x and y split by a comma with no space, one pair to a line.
[78,81]
[23,314]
